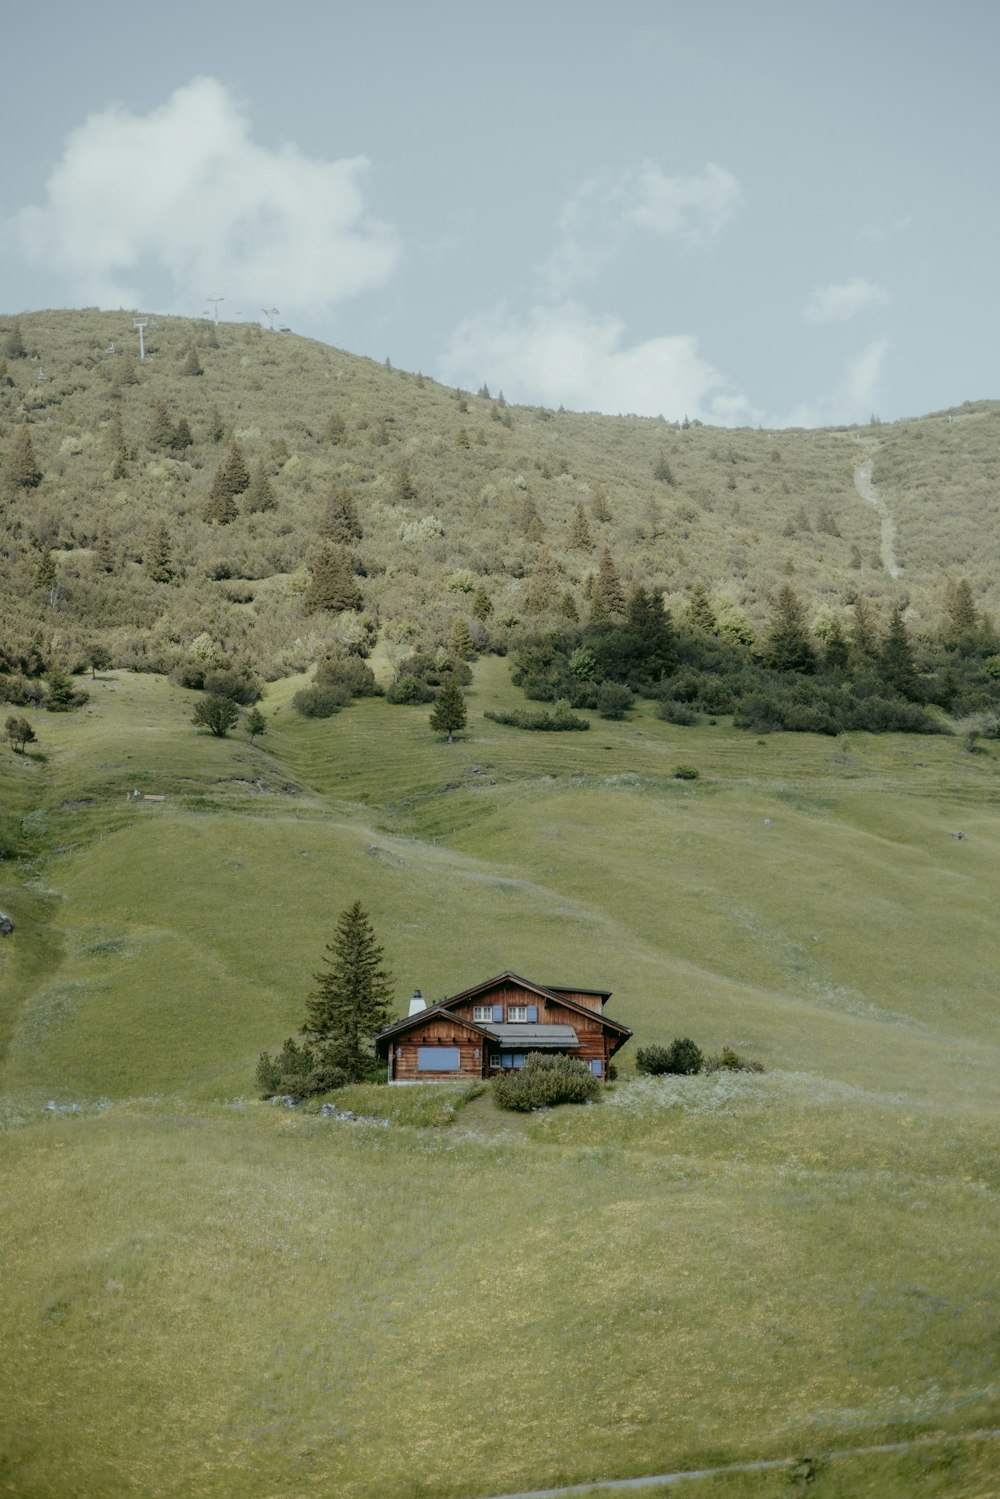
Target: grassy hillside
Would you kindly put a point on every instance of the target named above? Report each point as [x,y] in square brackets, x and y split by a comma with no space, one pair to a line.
[210,1296]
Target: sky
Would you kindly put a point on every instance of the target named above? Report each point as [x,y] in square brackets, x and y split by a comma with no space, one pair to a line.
[747,212]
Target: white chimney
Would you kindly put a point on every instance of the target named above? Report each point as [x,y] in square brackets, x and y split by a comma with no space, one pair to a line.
[417,1003]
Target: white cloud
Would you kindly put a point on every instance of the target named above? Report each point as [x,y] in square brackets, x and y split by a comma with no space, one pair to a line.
[565,355]
[596,220]
[693,209]
[184,196]
[835,304]
[855,398]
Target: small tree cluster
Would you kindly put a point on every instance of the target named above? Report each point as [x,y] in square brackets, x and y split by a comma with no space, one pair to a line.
[345,1011]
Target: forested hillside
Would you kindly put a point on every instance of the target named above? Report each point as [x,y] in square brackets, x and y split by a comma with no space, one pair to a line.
[225,498]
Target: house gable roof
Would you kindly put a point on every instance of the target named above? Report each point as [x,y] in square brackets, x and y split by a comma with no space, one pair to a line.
[445,1007]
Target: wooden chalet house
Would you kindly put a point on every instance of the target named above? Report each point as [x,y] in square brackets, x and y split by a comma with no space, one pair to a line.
[495,1025]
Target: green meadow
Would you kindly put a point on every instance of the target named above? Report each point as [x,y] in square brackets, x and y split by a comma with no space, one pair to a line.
[205,1295]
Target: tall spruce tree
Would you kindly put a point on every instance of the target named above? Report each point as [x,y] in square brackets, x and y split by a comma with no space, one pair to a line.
[789,647]
[607,596]
[231,479]
[896,663]
[580,535]
[351,1001]
[260,495]
[20,467]
[339,521]
[159,555]
[332,586]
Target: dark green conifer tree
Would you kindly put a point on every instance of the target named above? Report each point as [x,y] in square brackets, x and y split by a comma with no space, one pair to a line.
[788,646]
[579,531]
[339,521]
[231,479]
[332,586]
[351,1001]
[896,663]
[115,446]
[260,495]
[700,614]
[159,555]
[607,590]
[448,714]
[20,467]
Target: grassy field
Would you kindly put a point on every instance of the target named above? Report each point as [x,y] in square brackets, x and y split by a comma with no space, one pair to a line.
[206,1295]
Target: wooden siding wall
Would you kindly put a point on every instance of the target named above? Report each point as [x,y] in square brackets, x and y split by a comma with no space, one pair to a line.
[437,1032]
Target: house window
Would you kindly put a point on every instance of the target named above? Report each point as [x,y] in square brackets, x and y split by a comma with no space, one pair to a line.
[597,1067]
[512,1058]
[482,1012]
[438,1059]
[495,1059]
[516,1013]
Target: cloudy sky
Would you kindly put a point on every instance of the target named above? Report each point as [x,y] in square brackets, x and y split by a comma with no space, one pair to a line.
[782,212]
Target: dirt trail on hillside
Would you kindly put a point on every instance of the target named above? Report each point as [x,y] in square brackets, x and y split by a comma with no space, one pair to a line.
[866,489]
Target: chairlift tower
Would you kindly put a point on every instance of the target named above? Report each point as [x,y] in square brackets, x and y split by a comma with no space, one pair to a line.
[270,313]
[141,324]
[214,302]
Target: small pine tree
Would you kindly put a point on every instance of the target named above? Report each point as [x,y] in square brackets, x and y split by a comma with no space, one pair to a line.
[404,489]
[462,438]
[460,642]
[599,507]
[192,364]
[335,430]
[46,573]
[332,586]
[159,555]
[216,429]
[351,1001]
[181,438]
[260,495]
[580,535]
[896,663]
[14,345]
[543,584]
[231,479]
[700,614]
[161,428]
[567,607]
[105,558]
[20,467]
[448,715]
[482,604]
[115,446]
[607,588]
[960,607]
[662,471]
[339,521]
[256,724]
[789,647]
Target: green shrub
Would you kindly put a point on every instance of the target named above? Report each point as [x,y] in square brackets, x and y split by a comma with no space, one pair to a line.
[559,720]
[544,1081]
[686,773]
[298,1071]
[729,1060]
[410,690]
[678,713]
[321,702]
[613,700]
[683,1056]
